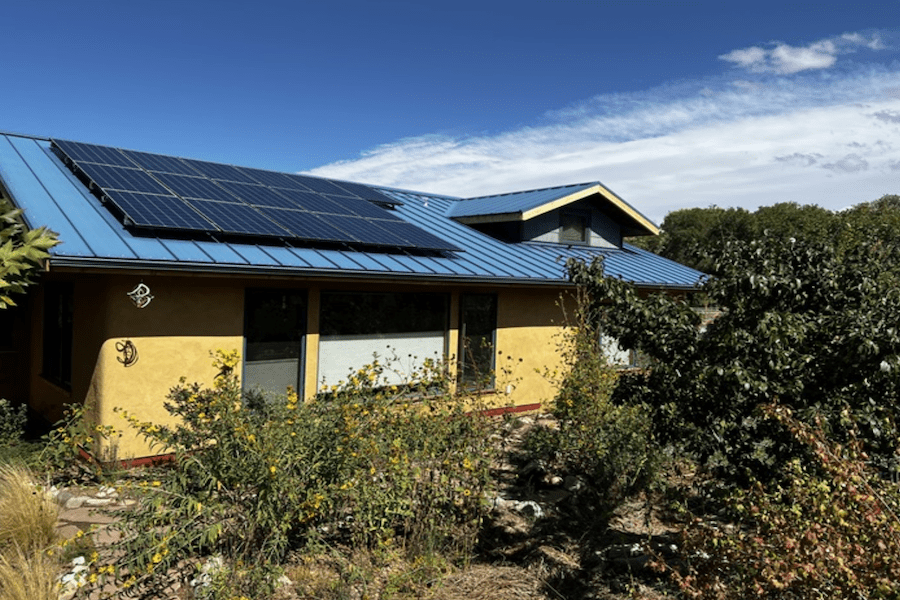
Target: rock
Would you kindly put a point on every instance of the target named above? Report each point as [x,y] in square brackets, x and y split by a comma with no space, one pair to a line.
[62,496]
[555,480]
[97,502]
[573,484]
[529,508]
[75,502]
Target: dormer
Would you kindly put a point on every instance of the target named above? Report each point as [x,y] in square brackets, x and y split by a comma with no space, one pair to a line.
[587,214]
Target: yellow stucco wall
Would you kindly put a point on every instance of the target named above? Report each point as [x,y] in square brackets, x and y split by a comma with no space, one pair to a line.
[191,317]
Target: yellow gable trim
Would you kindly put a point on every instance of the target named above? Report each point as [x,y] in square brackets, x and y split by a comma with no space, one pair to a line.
[596,189]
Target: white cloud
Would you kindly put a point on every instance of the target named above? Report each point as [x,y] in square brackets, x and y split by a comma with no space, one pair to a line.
[808,138]
[784,59]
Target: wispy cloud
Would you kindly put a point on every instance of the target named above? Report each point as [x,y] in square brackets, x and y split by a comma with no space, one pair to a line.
[811,135]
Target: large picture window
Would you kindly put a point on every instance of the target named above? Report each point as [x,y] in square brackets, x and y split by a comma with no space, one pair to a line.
[57,351]
[478,326]
[274,330]
[402,329]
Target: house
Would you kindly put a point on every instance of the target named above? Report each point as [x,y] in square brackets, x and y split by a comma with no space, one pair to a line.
[164,260]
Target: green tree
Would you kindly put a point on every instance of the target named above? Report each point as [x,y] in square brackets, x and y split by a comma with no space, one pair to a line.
[21,252]
[802,324]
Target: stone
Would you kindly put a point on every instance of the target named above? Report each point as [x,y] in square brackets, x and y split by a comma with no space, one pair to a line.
[530,508]
[74,502]
[62,496]
[96,502]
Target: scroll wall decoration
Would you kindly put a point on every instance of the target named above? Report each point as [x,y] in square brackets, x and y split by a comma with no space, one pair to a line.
[128,351]
[140,295]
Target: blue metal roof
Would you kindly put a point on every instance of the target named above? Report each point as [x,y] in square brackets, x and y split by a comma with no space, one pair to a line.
[92,237]
[515,202]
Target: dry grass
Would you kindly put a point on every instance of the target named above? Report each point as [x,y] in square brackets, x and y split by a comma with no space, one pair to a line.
[27,515]
[28,576]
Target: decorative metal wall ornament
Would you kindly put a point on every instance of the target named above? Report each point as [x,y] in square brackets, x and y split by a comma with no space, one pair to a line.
[129,353]
[140,295]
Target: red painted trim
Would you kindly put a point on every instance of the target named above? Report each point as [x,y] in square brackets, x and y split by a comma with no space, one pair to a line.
[506,410]
[130,463]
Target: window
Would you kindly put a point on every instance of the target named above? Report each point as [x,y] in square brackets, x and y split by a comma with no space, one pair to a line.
[477,329]
[57,351]
[402,329]
[574,228]
[274,330]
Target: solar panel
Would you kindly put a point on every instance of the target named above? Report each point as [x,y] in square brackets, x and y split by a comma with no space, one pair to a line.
[217,171]
[121,178]
[320,185]
[102,155]
[305,225]
[160,164]
[365,231]
[153,210]
[251,194]
[312,202]
[367,193]
[362,208]
[238,218]
[196,187]
[169,193]
[275,179]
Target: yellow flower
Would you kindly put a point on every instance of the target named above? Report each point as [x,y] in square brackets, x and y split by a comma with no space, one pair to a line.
[272,469]
[156,484]
[156,558]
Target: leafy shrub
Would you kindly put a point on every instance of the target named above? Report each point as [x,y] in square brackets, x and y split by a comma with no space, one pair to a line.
[608,444]
[368,464]
[71,441]
[830,529]
[12,422]
[804,323]
[27,515]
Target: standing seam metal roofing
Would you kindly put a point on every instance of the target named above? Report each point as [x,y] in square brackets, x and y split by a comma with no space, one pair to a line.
[92,237]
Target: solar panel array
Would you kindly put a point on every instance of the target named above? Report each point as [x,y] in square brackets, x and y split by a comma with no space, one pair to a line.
[158,192]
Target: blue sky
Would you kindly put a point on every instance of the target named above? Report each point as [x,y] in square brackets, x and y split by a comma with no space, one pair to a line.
[670,104]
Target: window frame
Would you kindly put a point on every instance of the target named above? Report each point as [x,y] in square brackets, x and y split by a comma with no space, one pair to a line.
[58,339]
[302,331]
[584,217]
[479,382]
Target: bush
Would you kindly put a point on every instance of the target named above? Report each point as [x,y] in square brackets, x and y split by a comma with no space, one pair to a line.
[12,422]
[829,530]
[608,445]
[368,464]
[803,322]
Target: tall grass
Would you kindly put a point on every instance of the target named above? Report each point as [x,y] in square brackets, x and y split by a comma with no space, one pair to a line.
[27,515]
[28,575]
